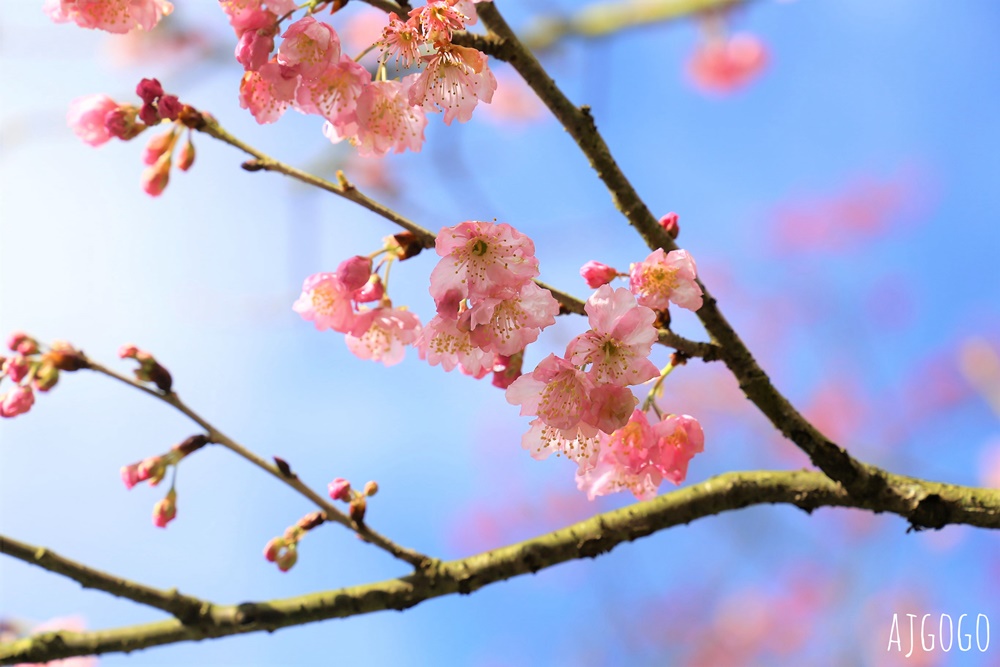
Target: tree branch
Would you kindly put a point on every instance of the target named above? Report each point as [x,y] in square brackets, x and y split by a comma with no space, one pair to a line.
[187,609]
[414,558]
[923,504]
[857,477]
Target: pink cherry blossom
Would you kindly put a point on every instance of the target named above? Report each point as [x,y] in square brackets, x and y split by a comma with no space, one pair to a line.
[87,117]
[254,48]
[724,65]
[384,120]
[438,19]
[402,39]
[557,392]
[309,47]
[665,277]
[326,301]
[597,274]
[609,407]
[620,340]
[354,272]
[456,79]
[16,402]
[478,258]
[639,456]
[382,334]
[334,93]
[442,342]
[267,92]
[578,443]
[117,16]
[508,319]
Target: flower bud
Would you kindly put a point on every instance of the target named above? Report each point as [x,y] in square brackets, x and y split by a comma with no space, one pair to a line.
[288,558]
[186,157]
[273,548]
[354,272]
[16,402]
[191,444]
[157,146]
[46,376]
[22,342]
[16,367]
[597,274]
[340,489]
[671,225]
[373,290]
[310,521]
[156,177]
[169,107]
[165,510]
[371,488]
[357,509]
[149,90]
[403,245]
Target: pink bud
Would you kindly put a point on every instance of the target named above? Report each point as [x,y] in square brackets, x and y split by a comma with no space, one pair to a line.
[670,224]
[16,402]
[254,48]
[156,177]
[507,369]
[16,367]
[128,351]
[169,107]
[340,489]
[149,90]
[165,510]
[186,157]
[22,342]
[149,115]
[354,272]
[86,116]
[130,475]
[373,290]
[157,146]
[288,558]
[273,548]
[597,274]
[371,488]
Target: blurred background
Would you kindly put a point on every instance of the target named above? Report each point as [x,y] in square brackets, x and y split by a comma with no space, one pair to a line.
[842,205]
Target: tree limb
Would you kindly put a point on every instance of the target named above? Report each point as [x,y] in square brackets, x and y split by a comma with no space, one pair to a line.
[923,504]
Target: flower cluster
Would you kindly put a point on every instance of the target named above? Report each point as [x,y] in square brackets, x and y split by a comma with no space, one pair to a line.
[97,119]
[31,369]
[310,73]
[117,16]
[284,550]
[340,489]
[488,305]
[333,301]
[154,469]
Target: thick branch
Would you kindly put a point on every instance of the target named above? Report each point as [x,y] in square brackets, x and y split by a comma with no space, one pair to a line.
[414,558]
[923,504]
[187,609]
[856,477]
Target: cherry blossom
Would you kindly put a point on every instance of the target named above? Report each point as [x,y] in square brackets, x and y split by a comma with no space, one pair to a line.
[382,334]
[384,120]
[665,277]
[577,443]
[88,115]
[117,16]
[326,302]
[726,64]
[620,340]
[479,258]
[334,93]
[456,79]
[438,19]
[508,319]
[309,47]
[639,456]
[442,342]
[402,40]
[557,392]
[267,92]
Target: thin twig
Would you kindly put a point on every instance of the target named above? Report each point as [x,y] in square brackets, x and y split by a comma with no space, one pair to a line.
[414,558]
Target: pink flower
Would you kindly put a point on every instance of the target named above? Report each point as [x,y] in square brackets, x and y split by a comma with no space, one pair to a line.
[87,116]
[671,224]
[354,272]
[384,120]
[340,489]
[456,79]
[309,47]
[326,302]
[402,39]
[165,510]
[381,334]
[443,342]
[639,456]
[665,277]
[506,369]
[117,16]
[16,402]
[267,92]
[557,392]
[620,340]
[609,407]
[254,48]
[597,274]
[509,319]
[438,19]
[577,443]
[334,93]
[478,258]
[724,65]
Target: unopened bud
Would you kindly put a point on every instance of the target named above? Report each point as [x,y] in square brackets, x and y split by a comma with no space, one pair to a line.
[340,489]
[373,290]
[157,146]
[671,225]
[156,177]
[357,509]
[371,488]
[597,274]
[354,272]
[165,510]
[149,90]
[273,548]
[16,367]
[403,245]
[46,376]
[186,156]
[22,342]
[311,520]
[287,558]
[169,107]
